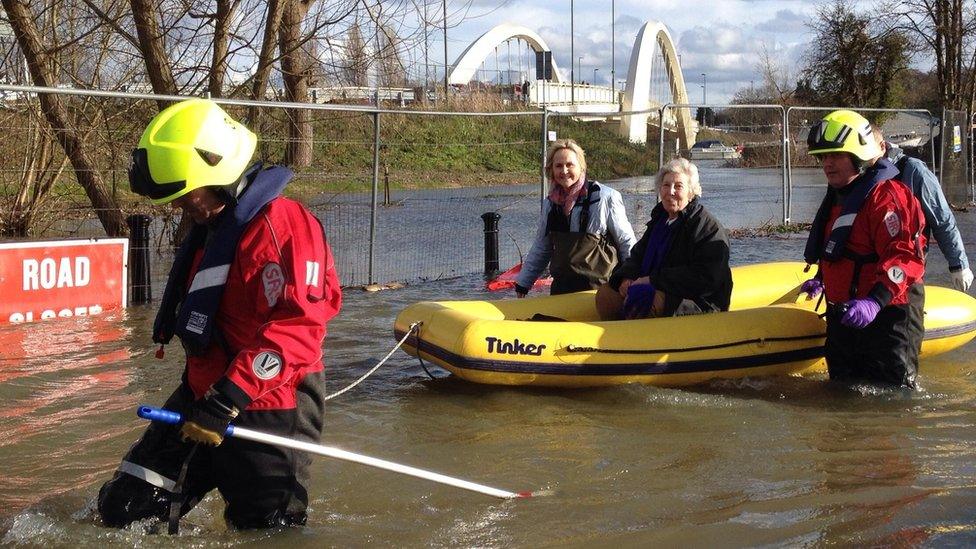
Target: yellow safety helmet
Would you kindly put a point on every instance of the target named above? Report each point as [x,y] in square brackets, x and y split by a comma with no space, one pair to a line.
[843,131]
[189,145]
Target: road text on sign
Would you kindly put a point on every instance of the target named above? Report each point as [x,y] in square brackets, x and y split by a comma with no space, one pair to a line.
[62,279]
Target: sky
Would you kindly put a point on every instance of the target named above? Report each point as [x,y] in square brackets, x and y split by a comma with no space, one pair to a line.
[722,39]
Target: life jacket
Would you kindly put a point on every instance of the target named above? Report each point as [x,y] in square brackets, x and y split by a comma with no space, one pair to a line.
[845,264]
[836,243]
[190,312]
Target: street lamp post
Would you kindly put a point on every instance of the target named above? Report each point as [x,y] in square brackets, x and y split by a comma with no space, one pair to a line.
[572,52]
[444,8]
[704,101]
[579,66]
[595,70]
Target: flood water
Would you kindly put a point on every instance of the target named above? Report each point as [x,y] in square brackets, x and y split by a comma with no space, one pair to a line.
[772,461]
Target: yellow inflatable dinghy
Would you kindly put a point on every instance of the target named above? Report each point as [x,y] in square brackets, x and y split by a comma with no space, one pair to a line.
[768,331]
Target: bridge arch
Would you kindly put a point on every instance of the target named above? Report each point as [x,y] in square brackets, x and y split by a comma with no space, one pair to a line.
[475,54]
[654,35]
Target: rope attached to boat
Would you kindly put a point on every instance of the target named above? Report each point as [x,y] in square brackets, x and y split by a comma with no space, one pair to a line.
[420,358]
[759,340]
[413,327]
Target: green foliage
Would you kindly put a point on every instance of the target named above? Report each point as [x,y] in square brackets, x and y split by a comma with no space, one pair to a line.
[609,156]
[422,151]
[921,90]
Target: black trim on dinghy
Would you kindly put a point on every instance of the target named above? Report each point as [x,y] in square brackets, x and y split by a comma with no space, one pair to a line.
[658,368]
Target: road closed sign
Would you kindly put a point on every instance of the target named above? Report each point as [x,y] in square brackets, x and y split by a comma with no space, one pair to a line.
[61,278]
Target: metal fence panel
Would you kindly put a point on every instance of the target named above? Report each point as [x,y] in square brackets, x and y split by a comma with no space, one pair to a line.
[955,160]
[630,172]
[426,226]
[405,203]
[732,137]
[911,129]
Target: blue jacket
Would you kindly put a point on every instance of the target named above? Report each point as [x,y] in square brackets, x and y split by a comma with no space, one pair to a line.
[938,215]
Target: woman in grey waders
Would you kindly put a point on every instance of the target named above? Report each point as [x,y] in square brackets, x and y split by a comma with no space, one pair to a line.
[583,231]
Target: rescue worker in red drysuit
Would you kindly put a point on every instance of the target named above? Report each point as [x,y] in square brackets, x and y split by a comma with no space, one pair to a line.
[249,295]
[867,239]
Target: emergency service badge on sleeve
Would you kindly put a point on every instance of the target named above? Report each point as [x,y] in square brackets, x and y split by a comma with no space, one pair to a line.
[896,274]
[266,365]
[273,282]
[892,223]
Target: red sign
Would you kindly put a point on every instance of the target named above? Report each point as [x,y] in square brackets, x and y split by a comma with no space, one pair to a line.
[59,279]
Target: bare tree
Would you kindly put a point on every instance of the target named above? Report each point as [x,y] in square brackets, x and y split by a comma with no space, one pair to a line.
[42,167]
[266,56]
[176,47]
[354,69]
[43,70]
[295,70]
[151,44]
[853,59]
[947,31]
[222,20]
[391,71]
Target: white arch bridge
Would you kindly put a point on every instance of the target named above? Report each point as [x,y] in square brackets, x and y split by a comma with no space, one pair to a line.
[652,59]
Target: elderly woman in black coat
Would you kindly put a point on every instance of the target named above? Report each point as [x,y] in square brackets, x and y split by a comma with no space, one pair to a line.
[681,264]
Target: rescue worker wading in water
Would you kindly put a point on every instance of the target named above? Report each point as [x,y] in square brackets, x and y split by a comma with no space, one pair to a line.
[867,239]
[249,295]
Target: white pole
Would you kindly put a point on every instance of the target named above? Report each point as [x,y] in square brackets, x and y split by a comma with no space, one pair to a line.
[329,451]
[173,418]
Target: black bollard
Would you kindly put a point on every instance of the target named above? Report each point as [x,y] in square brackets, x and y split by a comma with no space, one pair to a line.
[491,242]
[139,279]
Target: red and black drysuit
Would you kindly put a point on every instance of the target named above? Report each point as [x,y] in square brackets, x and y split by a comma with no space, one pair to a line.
[249,297]
[867,238]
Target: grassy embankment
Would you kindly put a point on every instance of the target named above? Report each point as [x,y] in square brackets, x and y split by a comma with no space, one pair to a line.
[423,151]
[417,151]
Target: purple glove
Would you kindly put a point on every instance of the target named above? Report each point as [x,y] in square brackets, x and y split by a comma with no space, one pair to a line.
[640,299]
[860,312]
[812,287]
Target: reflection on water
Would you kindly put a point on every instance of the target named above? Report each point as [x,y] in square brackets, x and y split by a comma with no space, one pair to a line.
[777,461]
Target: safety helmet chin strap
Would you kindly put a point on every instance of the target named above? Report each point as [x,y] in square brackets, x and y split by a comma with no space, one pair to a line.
[231,194]
[860,165]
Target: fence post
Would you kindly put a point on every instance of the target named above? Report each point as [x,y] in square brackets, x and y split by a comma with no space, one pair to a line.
[787,183]
[788,163]
[376,184]
[972,153]
[491,242]
[545,145]
[942,147]
[140,281]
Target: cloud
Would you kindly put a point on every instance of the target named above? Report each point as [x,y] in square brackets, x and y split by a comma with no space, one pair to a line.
[717,40]
[786,22]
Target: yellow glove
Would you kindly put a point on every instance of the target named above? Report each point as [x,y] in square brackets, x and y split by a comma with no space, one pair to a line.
[207,420]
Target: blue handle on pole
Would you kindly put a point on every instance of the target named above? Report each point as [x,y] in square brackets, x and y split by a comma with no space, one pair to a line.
[168,416]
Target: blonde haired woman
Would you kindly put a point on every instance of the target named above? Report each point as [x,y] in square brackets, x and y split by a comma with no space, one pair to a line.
[681,264]
[583,231]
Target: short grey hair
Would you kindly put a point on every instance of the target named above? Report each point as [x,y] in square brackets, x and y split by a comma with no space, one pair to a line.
[682,166]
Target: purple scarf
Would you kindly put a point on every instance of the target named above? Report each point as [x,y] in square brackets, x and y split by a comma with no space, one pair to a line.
[657,246]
